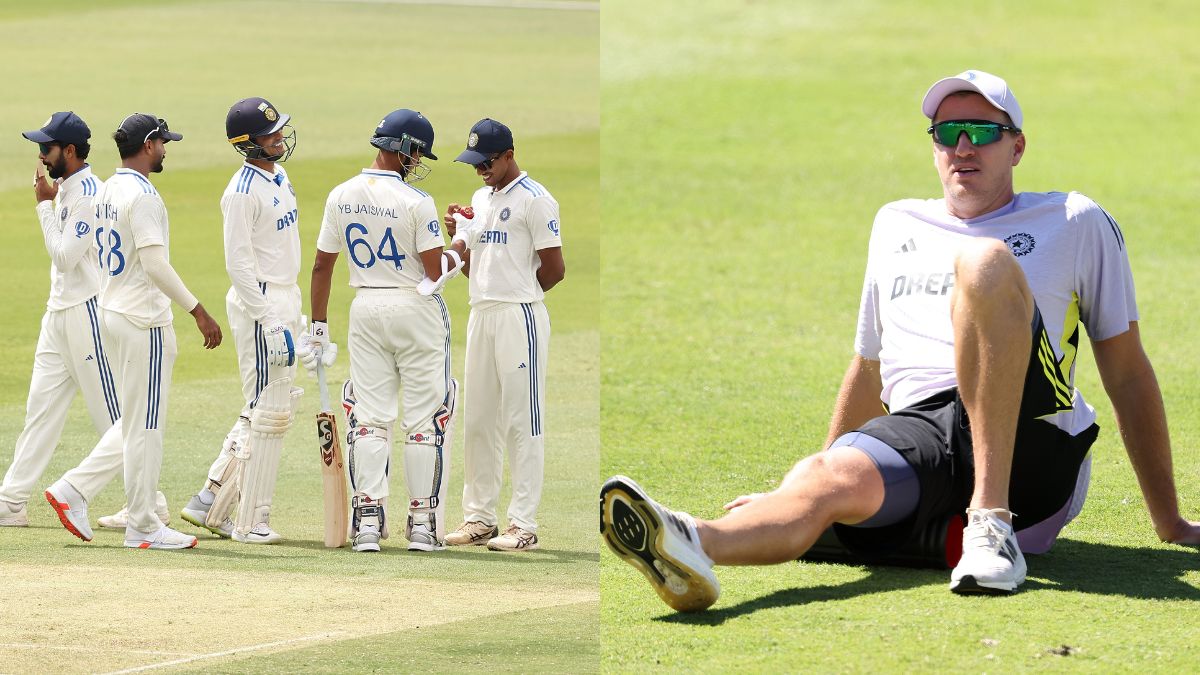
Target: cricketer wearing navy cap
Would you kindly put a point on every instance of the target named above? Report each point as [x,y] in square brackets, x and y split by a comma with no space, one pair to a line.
[63,129]
[488,137]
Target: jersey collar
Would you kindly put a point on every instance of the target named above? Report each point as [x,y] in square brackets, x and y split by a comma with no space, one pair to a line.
[384,173]
[269,176]
[507,188]
[70,182]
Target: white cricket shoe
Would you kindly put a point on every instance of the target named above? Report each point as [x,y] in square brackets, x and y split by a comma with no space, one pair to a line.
[366,539]
[421,538]
[71,508]
[13,515]
[259,534]
[472,533]
[196,512]
[514,539]
[165,538]
[661,544]
[120,519]
[991,560]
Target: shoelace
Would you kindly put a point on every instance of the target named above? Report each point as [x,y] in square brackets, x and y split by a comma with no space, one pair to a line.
[981,526]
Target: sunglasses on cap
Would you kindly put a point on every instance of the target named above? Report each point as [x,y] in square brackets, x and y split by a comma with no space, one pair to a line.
[979,132]
[160,130]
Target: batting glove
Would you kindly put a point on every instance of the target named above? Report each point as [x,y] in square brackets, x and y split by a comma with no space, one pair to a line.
[281,349]
[315,345]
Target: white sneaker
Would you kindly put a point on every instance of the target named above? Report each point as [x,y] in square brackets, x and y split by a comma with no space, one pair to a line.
[260,534]
[196,512]
[661,544]
[421,538]
[991,560]
[13,515]
[71,508]
[120,519]
[514,539]
[165,538]
[472,533]
[366,540]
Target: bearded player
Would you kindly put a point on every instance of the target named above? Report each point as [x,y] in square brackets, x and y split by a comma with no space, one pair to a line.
[262,257]
[399,330]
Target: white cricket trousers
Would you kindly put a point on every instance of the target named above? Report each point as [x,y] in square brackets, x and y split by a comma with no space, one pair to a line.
[142,360]
[70,356]
[504,395]
[251,348]
[398,340]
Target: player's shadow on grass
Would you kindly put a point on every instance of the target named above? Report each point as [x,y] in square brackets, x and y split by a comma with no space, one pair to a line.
[1081,567]
[1142,573]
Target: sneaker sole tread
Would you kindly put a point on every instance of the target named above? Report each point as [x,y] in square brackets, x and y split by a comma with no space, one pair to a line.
[61,509]
[644,549]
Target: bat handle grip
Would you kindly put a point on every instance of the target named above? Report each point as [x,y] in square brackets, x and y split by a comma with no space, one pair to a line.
[322,387]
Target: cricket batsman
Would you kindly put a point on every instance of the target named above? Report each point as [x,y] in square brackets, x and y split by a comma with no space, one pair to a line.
[399,331]
[262,257]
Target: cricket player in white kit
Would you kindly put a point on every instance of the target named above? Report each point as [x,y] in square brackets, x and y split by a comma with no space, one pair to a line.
[399,333]
[137,287]
[513,256]
[262,257]
[70,352]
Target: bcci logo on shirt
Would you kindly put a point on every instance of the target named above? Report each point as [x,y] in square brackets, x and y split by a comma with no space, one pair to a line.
[505,213]
[1021,243]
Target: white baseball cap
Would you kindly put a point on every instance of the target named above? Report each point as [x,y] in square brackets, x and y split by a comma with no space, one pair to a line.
[992,88]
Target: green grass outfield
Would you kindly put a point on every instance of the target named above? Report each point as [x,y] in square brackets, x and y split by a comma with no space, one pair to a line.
[337,67]
[747,148]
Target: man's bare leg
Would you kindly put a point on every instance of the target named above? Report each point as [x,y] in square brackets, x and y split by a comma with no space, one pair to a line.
[991,309]
[839,485]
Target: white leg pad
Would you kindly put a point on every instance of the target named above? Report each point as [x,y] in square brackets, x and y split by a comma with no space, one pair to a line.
[225,474]
[427,467]
[269,422]
[370,450]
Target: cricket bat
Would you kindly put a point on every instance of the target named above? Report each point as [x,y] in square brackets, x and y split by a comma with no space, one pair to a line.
[333,469]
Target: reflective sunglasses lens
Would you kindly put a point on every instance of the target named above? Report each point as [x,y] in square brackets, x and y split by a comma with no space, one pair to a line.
[947,133]
[45,148]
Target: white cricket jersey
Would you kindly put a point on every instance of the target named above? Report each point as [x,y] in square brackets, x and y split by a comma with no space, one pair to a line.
[262,233]
[518,220]
[130,215]
[67,230]
[1074,258]
[384,224]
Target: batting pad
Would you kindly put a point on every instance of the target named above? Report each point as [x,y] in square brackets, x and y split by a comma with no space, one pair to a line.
[427,467]
[269,422]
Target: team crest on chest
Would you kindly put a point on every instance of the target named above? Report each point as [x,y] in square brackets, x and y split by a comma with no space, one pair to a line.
[1021,243]
[505,213]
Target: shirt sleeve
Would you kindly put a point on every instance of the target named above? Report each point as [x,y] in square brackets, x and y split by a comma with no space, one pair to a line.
[1107,301]
[164,277]
[427,226]
[240,211]
[543,222]
[67,241]
[868,336]
[329,239]
[148,221]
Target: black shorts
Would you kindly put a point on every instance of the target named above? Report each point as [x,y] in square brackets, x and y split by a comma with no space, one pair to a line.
[934,437]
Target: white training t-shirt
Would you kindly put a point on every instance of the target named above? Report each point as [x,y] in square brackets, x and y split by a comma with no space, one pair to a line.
[262,234]
[384,224]
[68,232]
[130,215]
[518,220]
[1074,258]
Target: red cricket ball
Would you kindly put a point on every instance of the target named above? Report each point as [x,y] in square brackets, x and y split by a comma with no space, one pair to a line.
[468,212]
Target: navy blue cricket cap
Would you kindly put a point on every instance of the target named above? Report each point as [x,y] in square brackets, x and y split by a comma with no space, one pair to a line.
[142,127]
[487,138]
[62,127]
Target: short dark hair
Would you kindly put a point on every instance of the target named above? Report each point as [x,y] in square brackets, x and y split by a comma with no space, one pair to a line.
[124,147]
[81,150]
